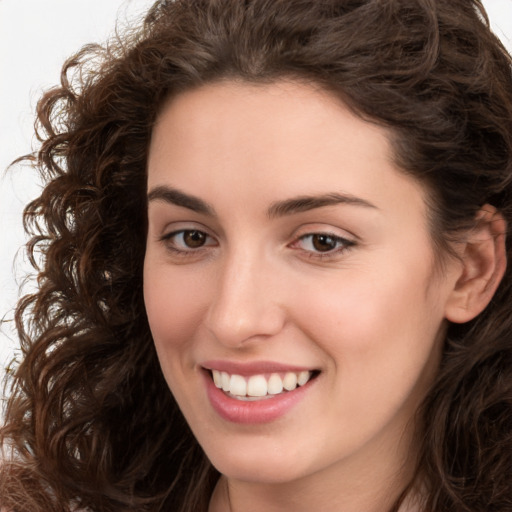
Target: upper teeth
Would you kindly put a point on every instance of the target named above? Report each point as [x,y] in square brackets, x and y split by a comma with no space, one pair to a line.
[259,385]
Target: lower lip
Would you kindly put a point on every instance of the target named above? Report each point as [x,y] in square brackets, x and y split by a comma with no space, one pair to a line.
[254,411]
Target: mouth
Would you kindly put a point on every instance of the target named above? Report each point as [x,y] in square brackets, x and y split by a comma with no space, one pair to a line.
[260,386]
[255,393]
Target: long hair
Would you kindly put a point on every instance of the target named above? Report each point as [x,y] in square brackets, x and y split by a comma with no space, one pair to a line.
[90,422]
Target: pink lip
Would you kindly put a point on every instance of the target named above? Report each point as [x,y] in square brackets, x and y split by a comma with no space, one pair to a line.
[253,412]
[253,368]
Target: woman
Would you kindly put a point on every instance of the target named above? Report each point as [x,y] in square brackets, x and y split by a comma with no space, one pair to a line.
[274,266]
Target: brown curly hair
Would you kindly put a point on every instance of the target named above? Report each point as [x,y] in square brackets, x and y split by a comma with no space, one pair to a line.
[90,422]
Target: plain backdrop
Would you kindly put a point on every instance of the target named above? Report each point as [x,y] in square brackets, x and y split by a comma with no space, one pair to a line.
[36,36]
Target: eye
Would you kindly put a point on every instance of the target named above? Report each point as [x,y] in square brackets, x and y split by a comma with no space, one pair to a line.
[188,240]
[319,244]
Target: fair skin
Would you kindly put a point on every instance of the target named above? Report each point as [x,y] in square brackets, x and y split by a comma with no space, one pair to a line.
[242,278]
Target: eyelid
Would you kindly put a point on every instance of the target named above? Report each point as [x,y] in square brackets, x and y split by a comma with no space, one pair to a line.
[337,238]
[168,240]
[325,229]
[172,228]
[346,241]
[175,232]
[171,234]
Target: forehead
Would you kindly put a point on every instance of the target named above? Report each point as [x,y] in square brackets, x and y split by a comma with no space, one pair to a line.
[272,140]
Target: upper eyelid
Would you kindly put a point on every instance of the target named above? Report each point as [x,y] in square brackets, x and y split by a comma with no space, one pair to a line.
[174,232]
[179,226]
[317,229]
[326,233]
[348,242]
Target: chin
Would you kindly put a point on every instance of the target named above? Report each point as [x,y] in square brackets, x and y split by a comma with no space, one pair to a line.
[257,473]
[260,465]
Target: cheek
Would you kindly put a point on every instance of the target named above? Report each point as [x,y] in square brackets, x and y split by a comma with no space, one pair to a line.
[381,332]
[174,305]
[363,311]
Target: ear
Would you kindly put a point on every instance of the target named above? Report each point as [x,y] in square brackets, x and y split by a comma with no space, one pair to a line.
[483,264]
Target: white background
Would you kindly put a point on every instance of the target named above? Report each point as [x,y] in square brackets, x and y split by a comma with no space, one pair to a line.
[36,36]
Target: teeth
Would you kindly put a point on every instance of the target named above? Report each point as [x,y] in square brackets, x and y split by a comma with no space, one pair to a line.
[275,384]
[290,381]
[224,381]
[238,386]
[259,385]
[303,377]
[217,379]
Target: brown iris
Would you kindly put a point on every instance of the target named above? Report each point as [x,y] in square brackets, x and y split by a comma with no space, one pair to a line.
[194,239]
[323,243]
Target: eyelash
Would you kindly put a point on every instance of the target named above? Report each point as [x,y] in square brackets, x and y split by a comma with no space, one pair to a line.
[167,239]
[342,244]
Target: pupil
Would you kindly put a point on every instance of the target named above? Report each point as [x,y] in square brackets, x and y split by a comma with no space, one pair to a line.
[194,238]
[324,243]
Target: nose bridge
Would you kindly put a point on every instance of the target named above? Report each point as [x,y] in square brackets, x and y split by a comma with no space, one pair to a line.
[245,305]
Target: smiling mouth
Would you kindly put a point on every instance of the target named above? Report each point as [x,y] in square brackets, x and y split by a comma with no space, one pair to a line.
[260,386]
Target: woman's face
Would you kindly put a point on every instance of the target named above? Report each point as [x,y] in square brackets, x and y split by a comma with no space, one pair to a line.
[285,246]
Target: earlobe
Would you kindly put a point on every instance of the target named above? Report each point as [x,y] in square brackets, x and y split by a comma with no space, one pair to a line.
[483,260]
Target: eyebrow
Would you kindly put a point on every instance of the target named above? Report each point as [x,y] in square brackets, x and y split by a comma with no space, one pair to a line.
[305,203]
[178,198]
[277,209]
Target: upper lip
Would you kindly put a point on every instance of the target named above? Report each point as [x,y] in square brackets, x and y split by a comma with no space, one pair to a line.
[252,368]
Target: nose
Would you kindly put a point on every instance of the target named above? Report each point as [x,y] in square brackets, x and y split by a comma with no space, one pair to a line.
[246,301]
